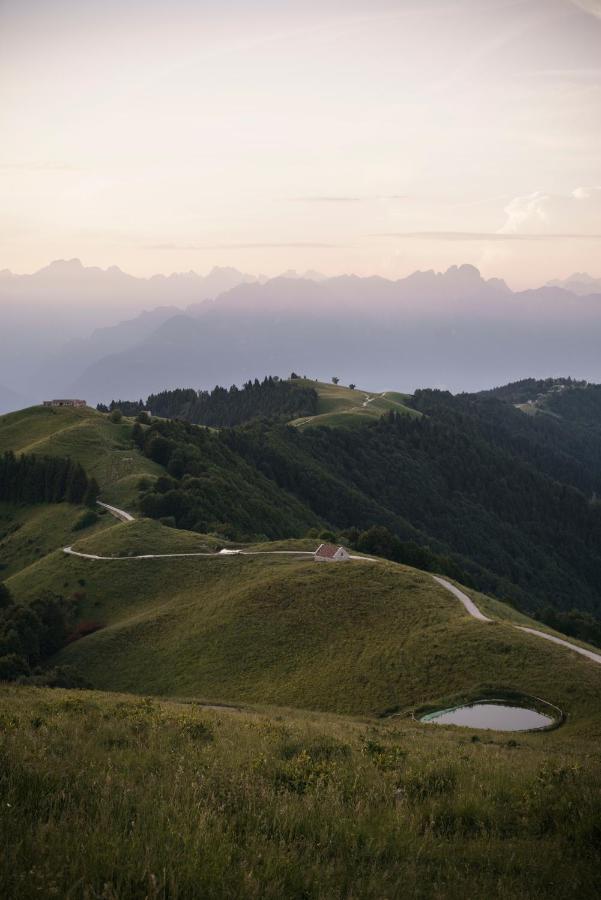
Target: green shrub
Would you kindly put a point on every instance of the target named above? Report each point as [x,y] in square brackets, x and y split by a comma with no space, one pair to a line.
[86,520]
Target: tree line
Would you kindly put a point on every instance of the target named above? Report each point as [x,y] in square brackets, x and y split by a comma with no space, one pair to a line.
[30,635]
[271,398]
[44,479]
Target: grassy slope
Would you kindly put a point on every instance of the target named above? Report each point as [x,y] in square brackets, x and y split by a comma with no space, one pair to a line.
[104,448]
[339,405]
[353,638]
[28,533]
[105,795]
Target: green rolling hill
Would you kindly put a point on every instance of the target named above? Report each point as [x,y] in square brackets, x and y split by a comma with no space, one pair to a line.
[104,448]
[338,405]
[359,638]
[252,731]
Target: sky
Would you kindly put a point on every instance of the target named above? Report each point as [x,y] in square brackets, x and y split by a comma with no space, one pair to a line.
[366,136]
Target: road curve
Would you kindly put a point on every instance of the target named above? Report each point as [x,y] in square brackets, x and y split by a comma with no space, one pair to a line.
[463,598]
[116,512]
[475,612]
[596,657]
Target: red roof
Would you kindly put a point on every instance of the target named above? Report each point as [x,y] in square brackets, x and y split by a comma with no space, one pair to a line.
[327,550]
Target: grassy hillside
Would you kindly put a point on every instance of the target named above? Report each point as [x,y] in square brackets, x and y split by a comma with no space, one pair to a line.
[28,533]
[104,448]
[355,638]
[105,795]
[339,405]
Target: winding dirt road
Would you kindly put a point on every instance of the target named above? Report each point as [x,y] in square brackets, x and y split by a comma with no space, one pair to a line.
[460,595]
[463,598]
[475,612]
[116,512]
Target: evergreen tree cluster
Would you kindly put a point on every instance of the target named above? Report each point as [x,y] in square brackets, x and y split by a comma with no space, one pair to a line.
[575,623]
[44,479]
[30,635]
[208,487]
[126,407]
[271,398]
[379,541]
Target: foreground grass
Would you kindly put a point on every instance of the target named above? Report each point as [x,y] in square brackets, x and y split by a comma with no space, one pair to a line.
[109,796]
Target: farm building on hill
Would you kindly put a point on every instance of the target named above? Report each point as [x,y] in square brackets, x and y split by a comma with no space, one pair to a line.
[65,403]
[331,553]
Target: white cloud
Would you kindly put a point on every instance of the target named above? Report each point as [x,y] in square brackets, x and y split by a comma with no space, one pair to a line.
[590,6]
[578,213]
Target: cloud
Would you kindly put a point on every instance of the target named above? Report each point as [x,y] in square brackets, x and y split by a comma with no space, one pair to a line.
[590,6]
[259,246]
[577,214]
[493,236]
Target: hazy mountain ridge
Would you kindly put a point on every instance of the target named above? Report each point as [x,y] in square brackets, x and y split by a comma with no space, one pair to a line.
[50,318]
[579,283]
[456,331]
[453,329]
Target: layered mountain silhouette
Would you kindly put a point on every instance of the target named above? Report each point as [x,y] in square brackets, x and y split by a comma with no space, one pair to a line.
[40,313]
[454,329]
[579,283]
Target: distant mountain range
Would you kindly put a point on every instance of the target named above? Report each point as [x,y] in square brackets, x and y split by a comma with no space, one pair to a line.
[100,334]
[579,283]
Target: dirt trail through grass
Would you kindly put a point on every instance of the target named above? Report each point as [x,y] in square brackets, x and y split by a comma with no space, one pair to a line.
[463,598]
[475,612]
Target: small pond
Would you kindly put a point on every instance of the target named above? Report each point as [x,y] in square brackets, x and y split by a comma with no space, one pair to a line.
[492,714]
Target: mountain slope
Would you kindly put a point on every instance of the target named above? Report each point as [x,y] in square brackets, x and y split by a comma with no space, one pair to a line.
[360,637]
[66,300]
[104,448]
[339,405]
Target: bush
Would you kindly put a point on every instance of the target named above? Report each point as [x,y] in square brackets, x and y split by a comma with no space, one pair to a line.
[86,520]
[198,731]
[5,596]
[116,416]
[418,786]
[13,666]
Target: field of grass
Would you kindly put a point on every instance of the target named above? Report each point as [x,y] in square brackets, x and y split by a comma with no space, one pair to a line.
[28,533]
[104,448]
[340,406]
[110,796]
[271,751]
[358,638]
[146,536]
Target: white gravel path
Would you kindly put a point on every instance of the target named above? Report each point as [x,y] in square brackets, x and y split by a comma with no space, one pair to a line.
[475,612]
[463,598]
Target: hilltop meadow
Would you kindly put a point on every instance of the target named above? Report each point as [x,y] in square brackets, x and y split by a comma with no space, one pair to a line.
[249,725]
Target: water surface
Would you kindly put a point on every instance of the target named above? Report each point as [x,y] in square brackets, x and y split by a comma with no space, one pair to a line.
[490,714]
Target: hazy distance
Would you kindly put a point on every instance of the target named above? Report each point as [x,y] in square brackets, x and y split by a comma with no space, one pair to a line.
[71,330]
[340,135]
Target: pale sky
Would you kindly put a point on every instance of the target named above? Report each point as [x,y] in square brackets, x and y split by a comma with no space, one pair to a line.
[367,136]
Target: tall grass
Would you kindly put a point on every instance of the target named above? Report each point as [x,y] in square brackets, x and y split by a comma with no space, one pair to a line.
[108,796]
